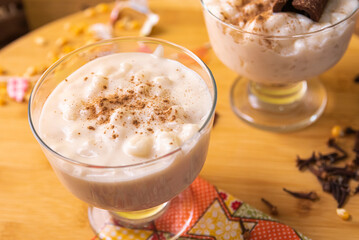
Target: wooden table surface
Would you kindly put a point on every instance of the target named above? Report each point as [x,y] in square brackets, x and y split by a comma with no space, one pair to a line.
[247,162]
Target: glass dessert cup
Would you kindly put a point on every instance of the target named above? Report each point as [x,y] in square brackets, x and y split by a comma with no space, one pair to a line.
[278,88]
[139,194]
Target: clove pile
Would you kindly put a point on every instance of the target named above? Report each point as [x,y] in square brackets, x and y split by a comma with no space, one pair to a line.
[335,179]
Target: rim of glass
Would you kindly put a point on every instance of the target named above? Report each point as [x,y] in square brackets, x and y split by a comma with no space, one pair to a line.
[105,42]
[237,28]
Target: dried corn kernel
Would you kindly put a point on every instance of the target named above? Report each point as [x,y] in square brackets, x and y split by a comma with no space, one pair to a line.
[30,71]
[102,8]
[120,24]
[2,101]
[27,96]
[40,41]
[61,41]
[79,29]
[53,57]
[337,131]
[343,214]
[134,24]
[90,41]
[67,49]
[2,95]
[89,12]
[67,26]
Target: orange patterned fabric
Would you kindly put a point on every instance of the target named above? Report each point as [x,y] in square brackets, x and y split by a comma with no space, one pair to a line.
[206,213]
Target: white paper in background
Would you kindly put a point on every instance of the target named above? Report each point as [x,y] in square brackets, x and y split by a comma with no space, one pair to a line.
[140,5]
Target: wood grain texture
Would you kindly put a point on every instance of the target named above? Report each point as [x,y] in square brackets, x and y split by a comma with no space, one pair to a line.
[247,162]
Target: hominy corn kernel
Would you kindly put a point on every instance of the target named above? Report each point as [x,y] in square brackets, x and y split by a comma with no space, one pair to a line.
[67,26]
[90,41]
[337,131]
[89,12]
[343,214]
[102,8]
[53,56]
[61,41]
[40,41]
[30,71]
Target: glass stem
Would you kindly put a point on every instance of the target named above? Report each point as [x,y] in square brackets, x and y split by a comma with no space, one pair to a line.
[276,97]
[138,218]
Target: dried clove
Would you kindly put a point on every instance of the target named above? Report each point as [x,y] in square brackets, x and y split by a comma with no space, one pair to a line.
[216,116]
[356,79]
[332,157]
[245,232]
[340,192]
[313,196]
[318,172]
[333,144]
[356,161]
[333,179]
[356,190]
[340,171]
[356,144]
[273,209]
[304,163]
[349,131]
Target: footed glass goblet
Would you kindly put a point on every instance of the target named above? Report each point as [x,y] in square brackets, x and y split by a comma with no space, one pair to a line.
[277,89]
[131,195]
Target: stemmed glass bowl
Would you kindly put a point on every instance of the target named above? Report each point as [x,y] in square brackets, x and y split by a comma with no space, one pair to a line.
[129,195]
[277,88]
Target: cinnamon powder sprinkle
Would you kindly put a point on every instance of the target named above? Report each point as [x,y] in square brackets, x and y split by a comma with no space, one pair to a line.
[138,104]
[91,128]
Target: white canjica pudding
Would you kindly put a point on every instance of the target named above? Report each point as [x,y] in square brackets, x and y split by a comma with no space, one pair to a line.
[278,47]
[126,109]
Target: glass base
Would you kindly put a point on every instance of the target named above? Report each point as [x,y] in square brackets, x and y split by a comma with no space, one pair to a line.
[150,219]
[278,108]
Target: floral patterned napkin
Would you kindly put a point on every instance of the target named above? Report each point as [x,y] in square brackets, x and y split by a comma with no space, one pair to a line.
[215,215]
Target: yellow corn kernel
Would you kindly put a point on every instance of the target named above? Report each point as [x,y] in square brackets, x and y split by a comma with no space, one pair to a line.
[67,49]
[120,24]
[53,57]
[337,131]
[2,71]
[343,214]
[102,8]
[134,25]
[89,12]
[77,31]
[2,101]
[61,41]
[2,96]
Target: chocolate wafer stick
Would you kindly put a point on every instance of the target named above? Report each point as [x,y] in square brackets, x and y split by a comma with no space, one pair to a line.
[279,5]
[310,8]
[314,8]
